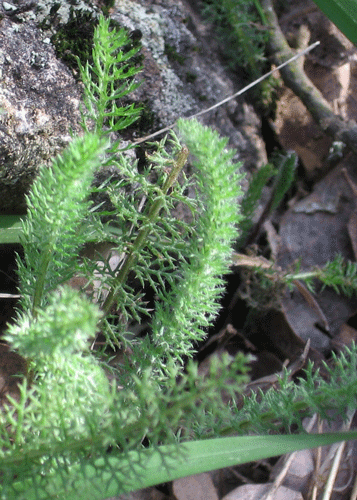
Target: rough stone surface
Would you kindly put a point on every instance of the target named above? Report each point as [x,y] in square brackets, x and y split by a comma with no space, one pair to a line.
[197,487]
[182,74]
[259,491]
[298,475]
[39,103]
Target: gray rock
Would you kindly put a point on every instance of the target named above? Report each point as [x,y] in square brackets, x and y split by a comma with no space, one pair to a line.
[39,105]
[39,97]
[183,73]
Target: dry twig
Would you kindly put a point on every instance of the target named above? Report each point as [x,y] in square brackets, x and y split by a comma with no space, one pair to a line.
[295,78]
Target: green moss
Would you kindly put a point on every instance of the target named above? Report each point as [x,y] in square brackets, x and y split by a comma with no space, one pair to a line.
[73,39]
[173,55]
[107,5]
[190,77]
[145,124]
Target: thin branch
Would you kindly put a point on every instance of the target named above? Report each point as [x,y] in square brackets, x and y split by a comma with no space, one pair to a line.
[294,77]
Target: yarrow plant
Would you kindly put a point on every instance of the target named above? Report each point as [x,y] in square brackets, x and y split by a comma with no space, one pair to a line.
[84,425]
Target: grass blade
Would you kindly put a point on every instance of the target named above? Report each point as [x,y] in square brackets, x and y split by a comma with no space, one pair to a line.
[115,475]
[343,13]
[10,228]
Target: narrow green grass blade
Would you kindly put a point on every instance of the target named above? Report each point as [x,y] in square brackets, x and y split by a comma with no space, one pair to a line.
[343,13]
[114,475]
[10,228]
[212,454]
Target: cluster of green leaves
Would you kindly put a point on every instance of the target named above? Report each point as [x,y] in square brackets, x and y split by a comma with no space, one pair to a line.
[217,182]
[108,80]
[70,417]
[68,413]
[283,406]
[238,21]
[56,206]
[151,244]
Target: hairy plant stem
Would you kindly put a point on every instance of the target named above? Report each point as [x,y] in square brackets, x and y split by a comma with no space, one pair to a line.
[141,238]
[40,283]
[303,276]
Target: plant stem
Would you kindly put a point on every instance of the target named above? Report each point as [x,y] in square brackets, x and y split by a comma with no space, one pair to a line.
[302,276]
[41,281]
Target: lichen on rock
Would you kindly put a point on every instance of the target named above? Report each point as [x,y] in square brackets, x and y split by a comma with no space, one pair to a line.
[39,103]
[183,74]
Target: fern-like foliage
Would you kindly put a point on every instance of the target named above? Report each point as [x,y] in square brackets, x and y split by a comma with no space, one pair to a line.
[189,307]
[241,28]
[151,237]
[76,426]
[280,408]
[267,282]
[108,80]
[72,407]
[237,22]
[339,274]
[251,199]
[56,206]
[71,413]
